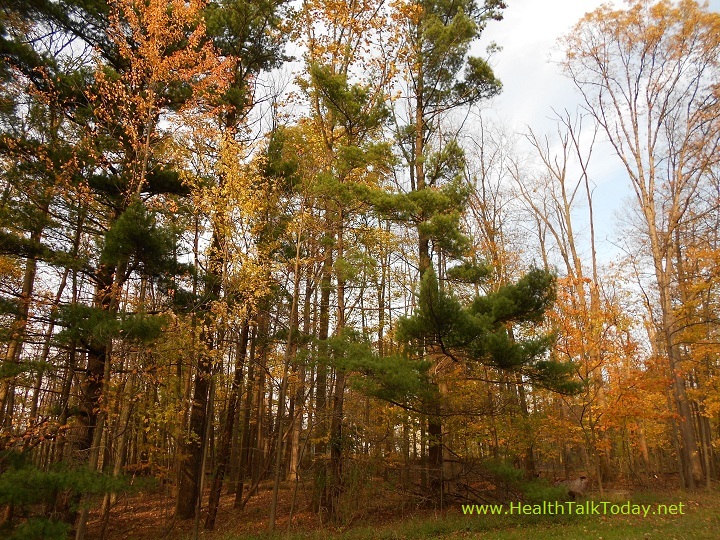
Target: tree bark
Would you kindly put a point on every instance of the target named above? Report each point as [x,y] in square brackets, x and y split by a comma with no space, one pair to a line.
[223,456]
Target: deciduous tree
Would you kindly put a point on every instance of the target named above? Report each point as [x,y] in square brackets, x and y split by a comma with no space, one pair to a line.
[648,75]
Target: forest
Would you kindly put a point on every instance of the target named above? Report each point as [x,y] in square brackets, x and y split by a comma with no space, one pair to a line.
[278,258]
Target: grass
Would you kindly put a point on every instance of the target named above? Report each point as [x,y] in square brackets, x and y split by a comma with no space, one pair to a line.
[700,520]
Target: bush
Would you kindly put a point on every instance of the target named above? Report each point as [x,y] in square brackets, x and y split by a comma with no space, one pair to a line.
[33,492]
[539,490]
[40,529]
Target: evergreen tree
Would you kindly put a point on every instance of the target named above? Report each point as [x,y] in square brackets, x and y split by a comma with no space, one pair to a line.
[440,78]
[99,144]
[501,330]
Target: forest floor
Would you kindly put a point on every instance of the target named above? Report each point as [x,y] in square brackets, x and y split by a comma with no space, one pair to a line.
[147,515]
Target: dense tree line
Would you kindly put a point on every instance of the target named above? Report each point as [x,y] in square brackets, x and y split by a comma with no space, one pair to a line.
[353,281]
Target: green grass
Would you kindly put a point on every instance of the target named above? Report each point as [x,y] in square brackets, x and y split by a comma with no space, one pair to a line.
[701,520]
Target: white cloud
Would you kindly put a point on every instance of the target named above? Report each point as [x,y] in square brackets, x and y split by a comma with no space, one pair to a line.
[528,36]
[533,85]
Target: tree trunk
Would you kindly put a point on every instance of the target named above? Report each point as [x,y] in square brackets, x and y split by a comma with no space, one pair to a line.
[223,456]
[245,453]
[194,446]
[320,495]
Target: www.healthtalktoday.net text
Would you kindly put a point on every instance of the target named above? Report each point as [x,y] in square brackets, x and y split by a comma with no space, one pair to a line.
[597,508]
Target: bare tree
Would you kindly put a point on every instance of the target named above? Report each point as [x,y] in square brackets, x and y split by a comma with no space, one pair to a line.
[648,75]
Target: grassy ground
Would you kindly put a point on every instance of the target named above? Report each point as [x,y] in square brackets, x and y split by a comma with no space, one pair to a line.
[700,520]
[386,515]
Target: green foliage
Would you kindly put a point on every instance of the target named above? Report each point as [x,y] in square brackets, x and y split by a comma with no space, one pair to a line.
[136,237]
[446,165]
[447,31]
[526,300]
[248,31]
[479,82]
[535,490]
[555,375]
[437,317]
[21,246]
[467,272]
[164,179]
[363,156]
[86,324]
[26,488]
[8,306]
[444,230]
[492,329]
[280,163]
[354,263]
[353,106]
[90,325]
[28,485]
[394,378]
[538,490]
[107,184]
[40,529]
[17,52]
[436,212]
[11,369]
[505,471]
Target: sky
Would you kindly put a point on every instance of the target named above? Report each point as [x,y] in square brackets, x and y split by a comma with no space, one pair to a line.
[527,35]
[533,86]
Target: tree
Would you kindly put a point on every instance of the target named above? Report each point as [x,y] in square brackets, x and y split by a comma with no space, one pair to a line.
[104,103]
[438,77]
[648,76]
[245,35]
[498,332]
[553,195]
[347,71]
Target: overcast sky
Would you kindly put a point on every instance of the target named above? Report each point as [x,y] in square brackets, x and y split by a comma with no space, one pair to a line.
[528,33]
[533,85]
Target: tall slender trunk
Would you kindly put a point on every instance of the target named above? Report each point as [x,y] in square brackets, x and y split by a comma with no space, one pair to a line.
[189,482]
[96,430]
[299,399]
[338,396]
[194,445]
[689,453]
[290,350]
[122,435]
[260,429]
[336,446]
[320,503]
[245,452]
[18,330]
[223,455]
[435,424]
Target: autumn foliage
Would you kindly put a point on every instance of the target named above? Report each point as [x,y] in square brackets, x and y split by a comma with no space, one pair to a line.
[257,249]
